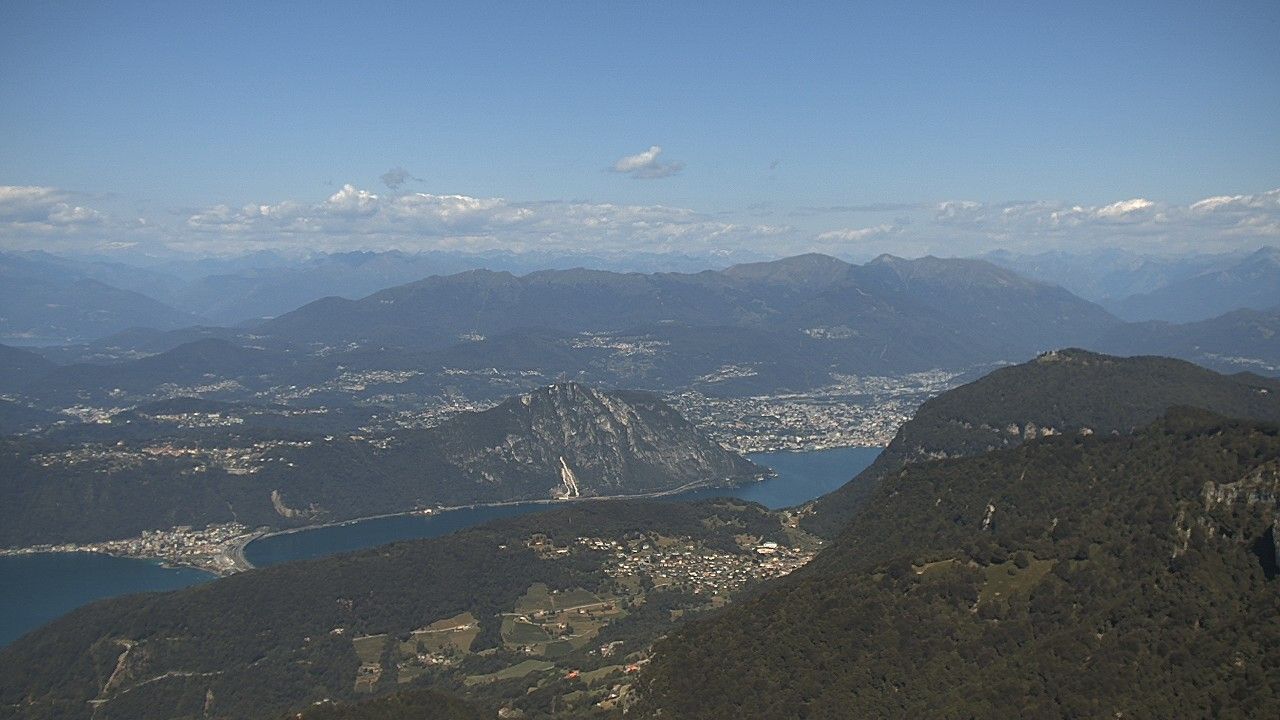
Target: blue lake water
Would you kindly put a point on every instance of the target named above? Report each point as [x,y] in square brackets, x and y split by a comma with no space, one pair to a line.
[35,589]
[802,476]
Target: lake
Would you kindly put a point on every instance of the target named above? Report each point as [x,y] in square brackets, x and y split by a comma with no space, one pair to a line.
[802,476]
[35,589]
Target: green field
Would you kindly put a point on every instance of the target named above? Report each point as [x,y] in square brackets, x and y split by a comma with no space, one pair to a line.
[515,671]
[540,612]
[538,597]
[1006,579]
[518,632]
[456,634]
[369,648]
[558,648]
[574,598]
[594,676]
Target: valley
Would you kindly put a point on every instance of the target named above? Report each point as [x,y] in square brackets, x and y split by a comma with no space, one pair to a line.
[639,361]
[222,550]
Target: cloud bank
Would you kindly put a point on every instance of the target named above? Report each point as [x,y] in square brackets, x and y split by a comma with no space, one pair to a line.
[1219,222]
[43,210]
[462,222]
[36,217]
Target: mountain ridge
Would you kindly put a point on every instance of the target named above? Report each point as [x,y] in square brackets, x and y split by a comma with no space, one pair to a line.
[917,300]
[1079,576]
[566,441]
[1069,391]
[1252,283]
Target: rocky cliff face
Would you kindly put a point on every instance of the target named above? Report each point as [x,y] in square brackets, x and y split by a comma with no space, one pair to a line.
[571,440]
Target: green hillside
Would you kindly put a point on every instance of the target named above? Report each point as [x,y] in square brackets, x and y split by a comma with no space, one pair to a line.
[1073,576]
[1062,392]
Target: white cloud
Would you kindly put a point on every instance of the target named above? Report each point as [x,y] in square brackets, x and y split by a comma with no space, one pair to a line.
[853,235]
[453,211]
[353,216]
[1124,207]
[1039,215]
[1267,202]
[645,165]
[1214,223]
[43,208]
[351,201]
[38,217]
[357,218]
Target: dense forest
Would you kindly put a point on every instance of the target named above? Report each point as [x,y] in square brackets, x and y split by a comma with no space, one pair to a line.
[1065,391]
[1072,576]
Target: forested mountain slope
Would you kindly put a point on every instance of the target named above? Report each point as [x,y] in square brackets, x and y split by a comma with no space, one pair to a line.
[1074,576]
[1063,392]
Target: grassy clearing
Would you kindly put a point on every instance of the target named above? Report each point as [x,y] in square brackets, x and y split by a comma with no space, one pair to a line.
[370,648]
[594,676]
[575,598]
[520,670]
[630,585]
[554,623]
[519,632]
[558,648]
[1007,579]
[538,597]
[450,634]
[456,622]
[409,673]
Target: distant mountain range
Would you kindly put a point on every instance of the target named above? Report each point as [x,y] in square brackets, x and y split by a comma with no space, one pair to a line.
[563,441]
[1239,340]
[229,291]
[42,305]
[790,325]
[18,367]
[909,314]
[1139,288]
[1107,275]
[1067,392]
[64,299]
[1252,283]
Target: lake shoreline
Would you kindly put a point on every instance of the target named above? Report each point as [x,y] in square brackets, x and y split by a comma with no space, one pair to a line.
[442,509]
[232,555]
[796,477]
[39,584]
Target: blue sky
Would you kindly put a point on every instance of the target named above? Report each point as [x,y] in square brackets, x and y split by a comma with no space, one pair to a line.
[146,115]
